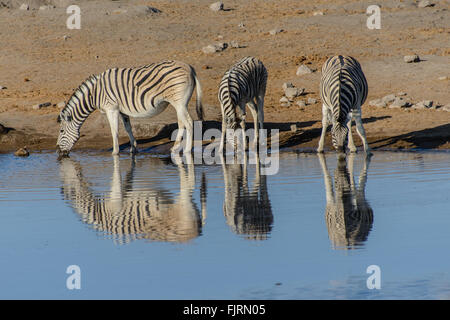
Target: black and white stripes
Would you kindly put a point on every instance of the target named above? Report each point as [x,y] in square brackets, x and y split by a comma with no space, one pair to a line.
[132,92]
[243,84]
[343,89]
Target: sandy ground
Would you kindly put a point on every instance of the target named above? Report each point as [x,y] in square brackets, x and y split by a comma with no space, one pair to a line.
[43,61]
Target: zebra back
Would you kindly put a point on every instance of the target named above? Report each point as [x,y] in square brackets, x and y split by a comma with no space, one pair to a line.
[243,82]
[343,86]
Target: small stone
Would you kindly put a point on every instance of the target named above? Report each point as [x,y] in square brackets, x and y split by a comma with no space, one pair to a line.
[46,7]
[287,85]
[284,100]
[24,6]
[65,37]
[234,44]
[294,128]
[401,94]
[411,58]
[398,103]
[61,104]
[303,69]
[275,31]
[216,6]
[22,152]
[206,67]
[3,88]
[301,103]
[241,25]
[426,104]
[318,13]
[41,105]
[424,4]
[312,101]
[446,108]
[212,48]
[377,103]
[388,99]
[443,78]
[291,93]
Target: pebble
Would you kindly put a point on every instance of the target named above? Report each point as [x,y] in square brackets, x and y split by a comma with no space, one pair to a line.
[2,88]
[275,31]
[377,103]
[216,6]
[426,104]
[301,103]
[22,152]
[411,58]
[284,100]
[212,48]
[401,94]
[388,99]
[235,45]
[41,105]
[424,4]
[303,70]
[312,101]
[291,93]
[398,103]
[61,104]
[446,108]
[46,7]
[24,6]
[318,13]
[287,85]
[443,78]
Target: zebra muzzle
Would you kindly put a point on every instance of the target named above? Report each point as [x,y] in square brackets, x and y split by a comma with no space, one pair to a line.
[62,153]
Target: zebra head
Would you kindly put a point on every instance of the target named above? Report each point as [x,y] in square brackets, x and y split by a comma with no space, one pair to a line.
[69,133]
[339,134]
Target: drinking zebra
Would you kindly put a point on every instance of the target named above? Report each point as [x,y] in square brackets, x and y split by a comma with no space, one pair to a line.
[243,84]
[349,216]
[127,212]
[132,92]
[343,89]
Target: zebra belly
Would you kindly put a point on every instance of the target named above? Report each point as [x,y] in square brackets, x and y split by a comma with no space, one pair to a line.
[149,111]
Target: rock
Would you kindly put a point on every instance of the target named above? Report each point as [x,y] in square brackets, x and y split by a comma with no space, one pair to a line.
[47,7]
[287,85]
[426,104]
[294,128]
[303,69]
[291,93]
[388,99]
[301,103]
[3,88]
[41,105]
[401,94]
[398,103]
[61,104]
[446,108]
[275,31]
[377,103]
[424,4]
[22,152]
[318,13]
[24,6]
[217,47]
[235,45]
[411,58]
[216,6]
[443,78]
[241,25]
[312,101]
[284,99]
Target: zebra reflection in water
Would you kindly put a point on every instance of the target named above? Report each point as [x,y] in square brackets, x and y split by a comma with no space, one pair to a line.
[128,214]
[348,215]
[247,209]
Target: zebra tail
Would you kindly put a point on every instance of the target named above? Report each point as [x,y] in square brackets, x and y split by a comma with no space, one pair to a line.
[199,107]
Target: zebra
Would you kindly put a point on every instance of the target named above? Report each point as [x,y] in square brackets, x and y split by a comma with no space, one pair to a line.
[132,92]
[343,90]
[127,214]
[348,215]
[247,211]
[243,84]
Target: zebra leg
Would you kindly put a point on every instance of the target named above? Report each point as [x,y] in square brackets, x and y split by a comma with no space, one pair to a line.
[222,138]
[180,132]
[361,131]
[253,109]
[113,118]
[351,143]
[127,125]
[324,128]
[188,123]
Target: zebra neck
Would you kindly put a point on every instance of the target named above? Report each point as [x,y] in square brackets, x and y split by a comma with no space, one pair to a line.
[83,101]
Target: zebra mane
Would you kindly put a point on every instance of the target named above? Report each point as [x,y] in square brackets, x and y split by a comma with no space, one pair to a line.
[92,79]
